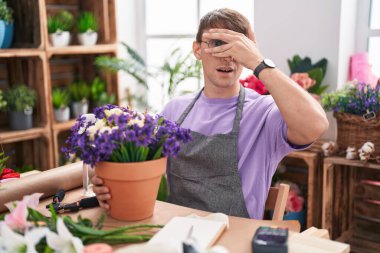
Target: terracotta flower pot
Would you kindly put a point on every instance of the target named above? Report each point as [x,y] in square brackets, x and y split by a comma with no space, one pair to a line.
[133,187]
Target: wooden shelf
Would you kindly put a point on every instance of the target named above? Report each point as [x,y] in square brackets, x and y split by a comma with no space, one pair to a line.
[7,136]
[72,50]
[8,53]
[58,127]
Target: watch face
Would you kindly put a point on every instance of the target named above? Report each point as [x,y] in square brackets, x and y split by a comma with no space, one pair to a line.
[269,63]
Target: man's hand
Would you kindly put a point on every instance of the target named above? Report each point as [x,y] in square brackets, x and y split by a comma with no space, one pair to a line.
[241,48]
[101,191]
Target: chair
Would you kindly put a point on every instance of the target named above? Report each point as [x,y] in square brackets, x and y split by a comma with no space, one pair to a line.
[276,201]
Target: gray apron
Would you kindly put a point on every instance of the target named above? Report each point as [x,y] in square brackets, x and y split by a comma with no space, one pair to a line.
[205,173]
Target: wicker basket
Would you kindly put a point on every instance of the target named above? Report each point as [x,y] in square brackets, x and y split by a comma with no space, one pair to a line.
[353,130]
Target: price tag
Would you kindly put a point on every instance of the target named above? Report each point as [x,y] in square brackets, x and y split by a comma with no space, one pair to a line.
[369,115]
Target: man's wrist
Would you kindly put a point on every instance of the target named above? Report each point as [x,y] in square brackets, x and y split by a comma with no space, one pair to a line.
[255,62]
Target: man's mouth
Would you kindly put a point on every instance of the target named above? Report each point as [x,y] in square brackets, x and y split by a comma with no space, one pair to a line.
[225,69]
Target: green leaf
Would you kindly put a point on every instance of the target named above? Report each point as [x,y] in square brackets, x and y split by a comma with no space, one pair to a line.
[163,191]
[323,65]
[99,223]
[158,153]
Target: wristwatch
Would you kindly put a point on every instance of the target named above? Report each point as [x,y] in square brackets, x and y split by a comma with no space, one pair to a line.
[266,63]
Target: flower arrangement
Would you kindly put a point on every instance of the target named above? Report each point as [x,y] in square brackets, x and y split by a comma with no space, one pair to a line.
[354,98]
[295,202]
[255,84]
[25,229]
[118,134]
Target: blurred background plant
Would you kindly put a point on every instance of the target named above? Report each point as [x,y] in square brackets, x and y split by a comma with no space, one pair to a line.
[6,13]
[99,94]
[3,102]
[20,98]
[315,72]
[176,69]
[87,22]
[79,91]
[62,21]
[60,98]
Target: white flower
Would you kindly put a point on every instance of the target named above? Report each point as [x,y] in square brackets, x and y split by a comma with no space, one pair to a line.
[368,147]
[14,242]
[113,111]
[30,201]
[90,118]
[64,241]
[91,130]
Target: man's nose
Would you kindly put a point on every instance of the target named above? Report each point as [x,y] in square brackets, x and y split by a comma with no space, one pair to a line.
[228,59]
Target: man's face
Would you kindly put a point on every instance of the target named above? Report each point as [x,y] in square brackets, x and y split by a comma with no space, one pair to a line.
[220,72]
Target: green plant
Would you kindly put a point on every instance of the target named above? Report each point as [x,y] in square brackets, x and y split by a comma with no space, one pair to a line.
[3,159]
[99,94]
[87,22]
[177,68]
[316,71]
[79,91]
[6,13]
[60,98]
[63,21]
[20,98]
[3,102]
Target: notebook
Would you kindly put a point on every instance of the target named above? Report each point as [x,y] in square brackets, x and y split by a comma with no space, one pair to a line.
[205,232]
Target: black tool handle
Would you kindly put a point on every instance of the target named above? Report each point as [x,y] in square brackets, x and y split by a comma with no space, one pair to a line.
[88,202]
[58,197]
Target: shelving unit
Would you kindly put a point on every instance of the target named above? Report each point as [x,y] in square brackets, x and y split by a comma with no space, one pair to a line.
[33,61]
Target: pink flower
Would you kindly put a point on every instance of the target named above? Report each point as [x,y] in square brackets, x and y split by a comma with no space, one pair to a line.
[255,84]
[303,80]
[17,219]
[294,203]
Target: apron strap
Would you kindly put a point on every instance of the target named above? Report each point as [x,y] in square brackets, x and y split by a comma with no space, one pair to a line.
[239,111]
[238,115]
[188,108]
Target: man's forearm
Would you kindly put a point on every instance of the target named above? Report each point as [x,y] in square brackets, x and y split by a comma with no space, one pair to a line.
[304,116]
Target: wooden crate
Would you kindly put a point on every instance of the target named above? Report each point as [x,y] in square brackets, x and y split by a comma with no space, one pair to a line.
[28,23]
[351,197]
[36,152]
[104,11]
[28,71]
[308,175]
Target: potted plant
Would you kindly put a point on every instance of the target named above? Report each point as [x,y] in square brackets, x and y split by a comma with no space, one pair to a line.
[87,26]
[80,93]
[6,25]
[357,110]
[128,150]
[59,27]
[20,102]
[61,100]
[99,95]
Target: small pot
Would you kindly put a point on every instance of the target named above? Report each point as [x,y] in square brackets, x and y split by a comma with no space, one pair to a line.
[88,38]
[62,114]
[8,35]
[21,120]
[79,108]
[60,39]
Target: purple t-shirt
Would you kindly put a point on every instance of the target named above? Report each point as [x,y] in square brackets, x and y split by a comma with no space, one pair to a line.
[262,139]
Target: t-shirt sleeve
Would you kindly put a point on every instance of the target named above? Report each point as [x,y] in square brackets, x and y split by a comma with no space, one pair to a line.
[277,136]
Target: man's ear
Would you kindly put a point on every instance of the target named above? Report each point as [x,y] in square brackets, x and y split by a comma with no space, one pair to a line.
[197,50]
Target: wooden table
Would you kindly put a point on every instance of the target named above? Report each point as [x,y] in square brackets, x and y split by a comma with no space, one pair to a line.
[237,238]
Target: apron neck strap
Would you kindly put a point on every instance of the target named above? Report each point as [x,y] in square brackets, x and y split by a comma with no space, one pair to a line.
[238,115]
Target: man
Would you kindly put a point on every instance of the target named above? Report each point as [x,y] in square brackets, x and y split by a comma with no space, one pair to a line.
[239,137]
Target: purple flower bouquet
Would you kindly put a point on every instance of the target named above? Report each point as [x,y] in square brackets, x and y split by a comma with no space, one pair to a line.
[118,134]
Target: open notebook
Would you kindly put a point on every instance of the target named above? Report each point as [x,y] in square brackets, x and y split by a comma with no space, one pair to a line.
[205,232]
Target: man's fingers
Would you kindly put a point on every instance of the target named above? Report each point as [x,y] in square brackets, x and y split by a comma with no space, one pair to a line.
[100,189]
[222,30]
[222,54]
[96,180]
[103,197]
[104,205]
[219,36]
[219,49]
